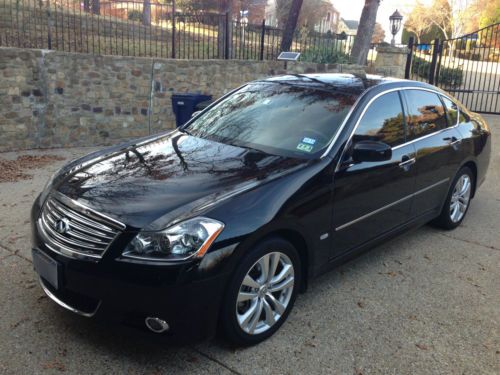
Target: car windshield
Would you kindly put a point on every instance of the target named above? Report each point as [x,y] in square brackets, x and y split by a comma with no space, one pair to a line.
[277,118]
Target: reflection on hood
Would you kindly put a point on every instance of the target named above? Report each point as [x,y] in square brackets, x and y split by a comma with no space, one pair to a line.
[140,184]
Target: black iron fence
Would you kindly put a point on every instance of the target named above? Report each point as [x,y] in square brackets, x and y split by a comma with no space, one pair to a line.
[137,28]
[468,67]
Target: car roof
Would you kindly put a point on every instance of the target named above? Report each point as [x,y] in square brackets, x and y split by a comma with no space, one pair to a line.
[354,84]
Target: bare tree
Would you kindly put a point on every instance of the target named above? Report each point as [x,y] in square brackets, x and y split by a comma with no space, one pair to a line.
[441,16]
[363,38]
[450,16]
[378,33]
[291,24]
[419,21]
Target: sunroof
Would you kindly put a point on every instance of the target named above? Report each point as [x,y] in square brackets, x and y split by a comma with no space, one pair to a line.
[289,56]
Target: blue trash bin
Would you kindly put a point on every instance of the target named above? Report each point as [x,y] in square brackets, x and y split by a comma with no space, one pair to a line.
[184,105]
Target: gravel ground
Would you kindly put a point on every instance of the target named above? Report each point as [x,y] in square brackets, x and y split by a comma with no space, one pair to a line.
[426,302]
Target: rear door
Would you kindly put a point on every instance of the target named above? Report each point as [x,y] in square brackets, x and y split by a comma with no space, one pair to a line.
[371,198]
[437,145]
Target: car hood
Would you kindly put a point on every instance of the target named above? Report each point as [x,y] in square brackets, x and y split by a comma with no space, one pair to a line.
[140,183]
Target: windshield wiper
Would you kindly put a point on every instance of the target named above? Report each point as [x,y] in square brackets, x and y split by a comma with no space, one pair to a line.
[329,85]
[184,130]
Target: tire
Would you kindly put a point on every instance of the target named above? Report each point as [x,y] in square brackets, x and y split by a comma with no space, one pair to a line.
[249,293]
[449,218]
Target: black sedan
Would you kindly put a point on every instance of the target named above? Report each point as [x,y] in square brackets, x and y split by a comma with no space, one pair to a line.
[220,224]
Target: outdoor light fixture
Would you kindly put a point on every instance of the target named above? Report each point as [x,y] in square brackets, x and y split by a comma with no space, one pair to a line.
[395,20]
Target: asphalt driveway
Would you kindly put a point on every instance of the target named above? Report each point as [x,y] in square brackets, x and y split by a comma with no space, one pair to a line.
[426,302]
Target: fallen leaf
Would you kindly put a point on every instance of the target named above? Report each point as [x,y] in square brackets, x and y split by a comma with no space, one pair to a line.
[55,365]
[18,323]
[422,346]
[13,170]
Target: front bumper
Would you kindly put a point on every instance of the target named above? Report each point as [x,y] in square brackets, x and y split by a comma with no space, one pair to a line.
[127,292]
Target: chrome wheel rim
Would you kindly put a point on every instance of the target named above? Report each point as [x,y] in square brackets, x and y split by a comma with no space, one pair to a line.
[460,198]
[265,293]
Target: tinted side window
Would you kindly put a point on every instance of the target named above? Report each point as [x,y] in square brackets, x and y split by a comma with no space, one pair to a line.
[452,111]
[383,121]
[425,113]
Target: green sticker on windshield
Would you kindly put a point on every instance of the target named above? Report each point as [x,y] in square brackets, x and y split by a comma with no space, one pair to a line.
[304,147]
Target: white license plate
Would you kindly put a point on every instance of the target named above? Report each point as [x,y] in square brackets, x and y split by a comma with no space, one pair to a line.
[46,267]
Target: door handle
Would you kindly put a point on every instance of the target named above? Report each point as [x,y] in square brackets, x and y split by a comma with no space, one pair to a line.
[407,162]
[452,141]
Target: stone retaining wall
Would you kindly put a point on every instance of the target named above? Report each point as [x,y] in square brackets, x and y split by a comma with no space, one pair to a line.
[57,99]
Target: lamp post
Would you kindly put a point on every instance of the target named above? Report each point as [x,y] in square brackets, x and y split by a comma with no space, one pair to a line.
[395,20]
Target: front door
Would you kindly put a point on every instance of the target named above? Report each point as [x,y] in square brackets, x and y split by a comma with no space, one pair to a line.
[371,198]
[437,146]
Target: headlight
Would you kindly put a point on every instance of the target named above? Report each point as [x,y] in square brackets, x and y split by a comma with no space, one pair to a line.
[188,239]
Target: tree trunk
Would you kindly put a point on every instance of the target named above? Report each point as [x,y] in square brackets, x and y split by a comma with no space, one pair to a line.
[146,12]
[291,24]
[96,6]
[363,37]
[225,7]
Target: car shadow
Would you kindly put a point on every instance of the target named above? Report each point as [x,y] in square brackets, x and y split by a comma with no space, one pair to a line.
[116,339]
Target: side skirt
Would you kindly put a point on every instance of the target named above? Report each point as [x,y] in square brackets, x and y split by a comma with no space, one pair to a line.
[356,251]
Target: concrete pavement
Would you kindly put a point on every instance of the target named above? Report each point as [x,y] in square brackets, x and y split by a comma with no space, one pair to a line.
[426,302]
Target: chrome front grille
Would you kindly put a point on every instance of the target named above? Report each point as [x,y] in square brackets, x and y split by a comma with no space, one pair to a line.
[74,230]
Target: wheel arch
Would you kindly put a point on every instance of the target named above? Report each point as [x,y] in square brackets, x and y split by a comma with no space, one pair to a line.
[292,234]
[299,242]
[471,164]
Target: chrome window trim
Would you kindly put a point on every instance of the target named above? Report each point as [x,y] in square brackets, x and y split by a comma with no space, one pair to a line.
[370,103]
[423,137]
[64,304]
[365,216]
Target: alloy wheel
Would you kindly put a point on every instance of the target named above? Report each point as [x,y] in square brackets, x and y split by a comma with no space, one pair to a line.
[265,293]
[460,198]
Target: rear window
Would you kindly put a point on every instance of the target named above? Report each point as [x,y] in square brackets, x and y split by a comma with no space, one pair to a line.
[277,118]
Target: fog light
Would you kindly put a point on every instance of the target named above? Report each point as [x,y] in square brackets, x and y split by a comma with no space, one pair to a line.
[156,324]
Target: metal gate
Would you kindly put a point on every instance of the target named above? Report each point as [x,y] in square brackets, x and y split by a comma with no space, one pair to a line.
[467,67]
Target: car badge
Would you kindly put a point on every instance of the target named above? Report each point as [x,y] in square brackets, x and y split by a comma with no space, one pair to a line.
[62,225]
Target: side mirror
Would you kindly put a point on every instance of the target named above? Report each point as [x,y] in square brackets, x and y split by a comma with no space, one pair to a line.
[194,114]
[371,151]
